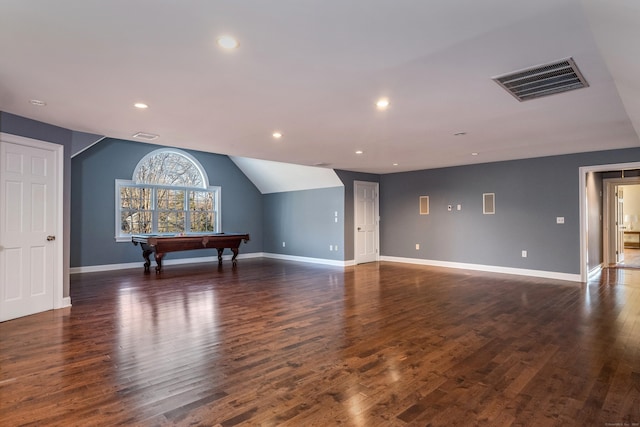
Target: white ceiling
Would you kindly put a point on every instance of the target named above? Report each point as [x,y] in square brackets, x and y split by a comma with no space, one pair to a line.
[313,70]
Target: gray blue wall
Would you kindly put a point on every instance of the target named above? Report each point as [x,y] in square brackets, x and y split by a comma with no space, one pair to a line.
[530,194]
[94,173]
[305,221]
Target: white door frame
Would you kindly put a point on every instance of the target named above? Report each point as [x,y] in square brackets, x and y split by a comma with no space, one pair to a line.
[608,216]
[58,292]
[583,171]
[355,217]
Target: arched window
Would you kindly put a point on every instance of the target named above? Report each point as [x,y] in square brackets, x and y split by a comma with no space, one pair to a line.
[168,194]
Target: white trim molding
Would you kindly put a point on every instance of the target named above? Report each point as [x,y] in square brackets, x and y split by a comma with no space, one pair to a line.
[324,261]
[338,263]
[140,264]
[582,196]
[488,268]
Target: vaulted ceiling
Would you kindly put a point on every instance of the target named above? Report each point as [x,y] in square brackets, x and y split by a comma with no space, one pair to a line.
[314,69]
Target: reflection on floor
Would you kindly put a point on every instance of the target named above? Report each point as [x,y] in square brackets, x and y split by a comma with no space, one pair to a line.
[279,343]
[631,258]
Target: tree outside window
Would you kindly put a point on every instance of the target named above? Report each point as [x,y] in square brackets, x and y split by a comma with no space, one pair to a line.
[168,194]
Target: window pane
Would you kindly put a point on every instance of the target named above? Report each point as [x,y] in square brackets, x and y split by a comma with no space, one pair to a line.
[201,211]
[135,222]
[135,198]
[203,222]
[169,168]
[200,200]
[170,199]
[171,222]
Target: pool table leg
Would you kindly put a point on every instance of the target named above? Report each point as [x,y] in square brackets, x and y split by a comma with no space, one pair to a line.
[158,258]
[220,250]
[147,262]
[235,255]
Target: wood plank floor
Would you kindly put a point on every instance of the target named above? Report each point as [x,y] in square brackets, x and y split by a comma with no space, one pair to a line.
[282,343]
[631,258]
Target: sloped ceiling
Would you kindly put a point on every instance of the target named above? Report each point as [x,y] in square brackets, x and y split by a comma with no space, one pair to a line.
[314,69]
[276,177]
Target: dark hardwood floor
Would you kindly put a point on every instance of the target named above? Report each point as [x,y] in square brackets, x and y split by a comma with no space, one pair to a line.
[283,343]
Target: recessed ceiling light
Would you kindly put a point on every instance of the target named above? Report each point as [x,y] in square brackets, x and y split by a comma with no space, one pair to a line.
[140,105]
[37,103]
[474,154]
[277,135]
[228,42]
[382,103]
[359,152]
[395,164]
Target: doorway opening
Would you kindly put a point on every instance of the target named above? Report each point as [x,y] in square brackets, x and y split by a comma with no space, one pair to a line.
[599,233]
[622,196]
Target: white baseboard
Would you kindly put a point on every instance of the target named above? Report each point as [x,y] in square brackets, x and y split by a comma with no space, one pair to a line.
[63,303]
[338,263]
[487,268]
[140,264]
[333,262]
[595,270]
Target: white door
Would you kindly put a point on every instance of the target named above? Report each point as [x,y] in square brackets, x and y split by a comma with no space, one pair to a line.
[28,223]
[366,221]
[620,227]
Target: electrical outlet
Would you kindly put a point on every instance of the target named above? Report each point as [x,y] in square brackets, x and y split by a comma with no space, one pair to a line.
[459,207]
[524,254]
[283,244]
[449,208]
[560,220]
[335,248]
[330,247]
[417,246]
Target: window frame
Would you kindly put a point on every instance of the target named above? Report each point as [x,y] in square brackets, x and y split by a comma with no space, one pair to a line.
[155,210]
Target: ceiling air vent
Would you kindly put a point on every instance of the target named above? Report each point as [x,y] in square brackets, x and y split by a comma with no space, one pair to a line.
[145,136]
[543,80]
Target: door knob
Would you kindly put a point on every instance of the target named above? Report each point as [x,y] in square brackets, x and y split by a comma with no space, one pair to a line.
[51,238]
[359,229]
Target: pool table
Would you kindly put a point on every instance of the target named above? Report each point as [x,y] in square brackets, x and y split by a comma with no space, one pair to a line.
[159,245]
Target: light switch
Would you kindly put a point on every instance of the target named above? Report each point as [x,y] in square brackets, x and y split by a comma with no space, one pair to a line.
[560,220]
